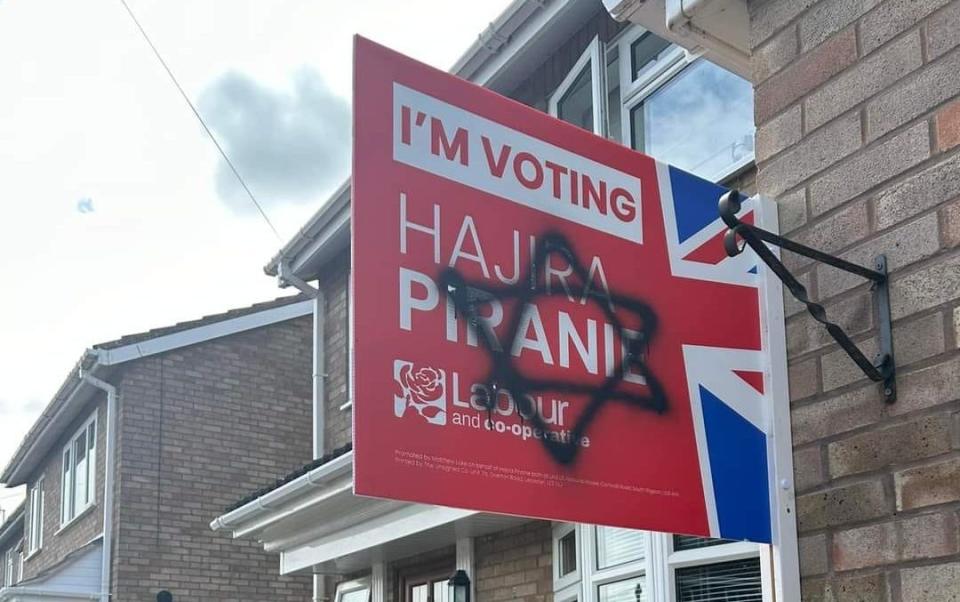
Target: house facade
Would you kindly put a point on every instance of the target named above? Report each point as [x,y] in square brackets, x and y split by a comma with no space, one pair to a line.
[11,548]
[569,58]
[146,438]
[844,113]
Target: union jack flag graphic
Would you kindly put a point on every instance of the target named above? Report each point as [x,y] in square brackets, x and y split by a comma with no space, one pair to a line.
[726,383]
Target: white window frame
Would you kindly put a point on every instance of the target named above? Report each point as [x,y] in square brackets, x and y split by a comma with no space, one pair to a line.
[594,56]
[35,500]
[347,587]
[633,92]
[659,565]
[69,510]
[8,568]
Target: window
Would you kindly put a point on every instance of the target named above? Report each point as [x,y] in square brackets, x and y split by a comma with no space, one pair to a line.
[700,121]
[8,567]
[656,97]
[35,526]
[715,570]
[625,565]
[427,589]
[613,564]
[353,591]
[579,99]
[78,476]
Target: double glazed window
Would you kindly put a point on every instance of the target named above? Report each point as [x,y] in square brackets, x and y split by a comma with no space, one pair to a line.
[353,591]
[78,477]
[35,507]
[656,97]
[606,564]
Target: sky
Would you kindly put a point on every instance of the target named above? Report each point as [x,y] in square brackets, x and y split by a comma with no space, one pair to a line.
[116,212]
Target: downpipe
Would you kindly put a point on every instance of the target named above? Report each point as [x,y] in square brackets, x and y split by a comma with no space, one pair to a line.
[108,479]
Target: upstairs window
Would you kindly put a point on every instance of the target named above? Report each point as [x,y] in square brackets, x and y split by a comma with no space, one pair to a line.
[79,472]
[579,99]
[35,507]
[657,98]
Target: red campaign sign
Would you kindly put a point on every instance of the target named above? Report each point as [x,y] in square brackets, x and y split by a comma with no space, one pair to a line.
[545,322]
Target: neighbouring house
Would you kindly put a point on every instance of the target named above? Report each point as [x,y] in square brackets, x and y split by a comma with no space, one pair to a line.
[11,548]
[148,437]
[620,80]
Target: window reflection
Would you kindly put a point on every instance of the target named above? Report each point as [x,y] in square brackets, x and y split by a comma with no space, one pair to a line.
[700,121]
[576,106]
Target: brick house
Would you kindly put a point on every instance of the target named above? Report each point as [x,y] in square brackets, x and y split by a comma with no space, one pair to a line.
[857,117]
[566,57]
[11,548]
[146,438]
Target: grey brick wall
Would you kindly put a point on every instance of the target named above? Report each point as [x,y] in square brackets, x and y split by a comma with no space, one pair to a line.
[201,427]
[516,564]
[858,132]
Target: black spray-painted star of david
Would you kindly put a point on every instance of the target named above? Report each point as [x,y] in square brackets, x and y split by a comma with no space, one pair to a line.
[468,296]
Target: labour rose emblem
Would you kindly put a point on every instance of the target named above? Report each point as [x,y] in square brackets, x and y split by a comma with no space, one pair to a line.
[423,390]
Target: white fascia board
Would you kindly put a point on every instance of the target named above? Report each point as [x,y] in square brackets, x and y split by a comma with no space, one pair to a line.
[15,594]
[407,520]
[200,334]
[242,518]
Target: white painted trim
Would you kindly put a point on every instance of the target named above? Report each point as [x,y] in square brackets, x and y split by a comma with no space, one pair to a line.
[403,522]
[347,587]
[786,559]
[92,484]
[378,582]
[15,593]
[466,561]
[593,56]
[260,507]
[200,334]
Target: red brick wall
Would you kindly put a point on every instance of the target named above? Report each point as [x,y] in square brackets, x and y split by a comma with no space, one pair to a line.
[201,427]
[858,129]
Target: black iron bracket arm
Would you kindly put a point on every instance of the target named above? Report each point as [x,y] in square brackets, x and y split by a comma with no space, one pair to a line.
[883,368]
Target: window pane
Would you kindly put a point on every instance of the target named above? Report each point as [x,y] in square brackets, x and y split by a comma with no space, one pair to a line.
[66,503]
[568,553]
[737,581]
[689,542]
[614,105]
[576,105]
[441,591]
[630,590]
[616,546]
[80,477]
[645,52]
[358,595]
[420,593]
[700,121]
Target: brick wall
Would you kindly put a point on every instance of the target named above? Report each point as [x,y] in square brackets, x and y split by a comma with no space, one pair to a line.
[334,282]
[858,132]
[516,564]
[59,540]
[200,428]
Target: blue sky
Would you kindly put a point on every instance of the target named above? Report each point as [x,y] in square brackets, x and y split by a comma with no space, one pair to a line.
[118,214]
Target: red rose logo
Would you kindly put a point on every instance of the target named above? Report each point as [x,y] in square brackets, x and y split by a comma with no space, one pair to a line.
[422,390]
[424,384]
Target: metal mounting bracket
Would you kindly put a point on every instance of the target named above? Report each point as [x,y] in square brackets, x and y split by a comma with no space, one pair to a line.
[883,368]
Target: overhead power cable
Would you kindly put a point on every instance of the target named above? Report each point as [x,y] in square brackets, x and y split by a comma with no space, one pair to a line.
[199,117]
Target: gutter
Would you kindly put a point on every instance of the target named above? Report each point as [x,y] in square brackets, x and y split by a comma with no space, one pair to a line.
[108,479]
[317,477]
[9,593]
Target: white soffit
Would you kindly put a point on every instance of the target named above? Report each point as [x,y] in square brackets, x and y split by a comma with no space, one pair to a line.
[718,28]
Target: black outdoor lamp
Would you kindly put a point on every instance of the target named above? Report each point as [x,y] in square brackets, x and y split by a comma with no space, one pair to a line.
[459,587]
